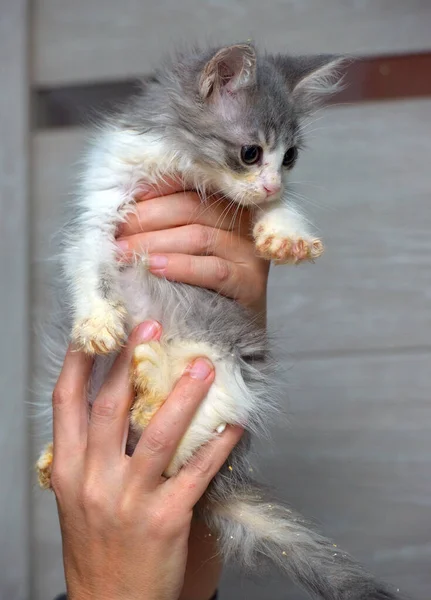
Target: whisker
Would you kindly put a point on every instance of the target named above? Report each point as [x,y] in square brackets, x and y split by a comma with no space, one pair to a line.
[220,219]
[310,183]
[232,223]
[198,212]
[320,204]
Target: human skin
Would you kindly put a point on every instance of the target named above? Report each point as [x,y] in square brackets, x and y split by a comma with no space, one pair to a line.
[203,244]
[208,245]
[200,244]
[125,528]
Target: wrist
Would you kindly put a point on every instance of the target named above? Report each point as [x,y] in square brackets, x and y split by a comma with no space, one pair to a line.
[204,565]
[81,590]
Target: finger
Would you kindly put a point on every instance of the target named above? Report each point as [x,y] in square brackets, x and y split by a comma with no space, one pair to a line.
[107,431]
[183,209]
[194,478]
[189,239]
[161,437]
[244,282]
[211,272]
[169,185]
[69,403]
[161,213]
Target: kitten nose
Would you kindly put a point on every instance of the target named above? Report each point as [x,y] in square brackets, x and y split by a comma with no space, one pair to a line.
[271,188]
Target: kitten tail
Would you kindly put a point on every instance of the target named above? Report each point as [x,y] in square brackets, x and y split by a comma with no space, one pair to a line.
[250,530]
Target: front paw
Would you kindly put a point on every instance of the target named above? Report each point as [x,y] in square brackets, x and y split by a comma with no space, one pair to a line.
[285,248]
[102,332]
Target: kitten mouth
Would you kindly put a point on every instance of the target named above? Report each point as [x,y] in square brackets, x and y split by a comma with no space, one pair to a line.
[268,198]
[271,197]
[253,201]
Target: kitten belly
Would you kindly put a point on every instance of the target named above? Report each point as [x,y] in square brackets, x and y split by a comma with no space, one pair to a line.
[136,294]
[139,307]
[160,364]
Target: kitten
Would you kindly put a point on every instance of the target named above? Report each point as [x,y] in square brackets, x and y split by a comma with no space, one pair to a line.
[225,121]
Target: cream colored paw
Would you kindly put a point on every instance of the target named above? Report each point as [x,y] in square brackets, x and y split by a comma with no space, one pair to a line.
[285,249]
[44,467]
[101,333]
[152,380]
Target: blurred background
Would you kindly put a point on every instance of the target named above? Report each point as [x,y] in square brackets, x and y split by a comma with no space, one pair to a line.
[354,329]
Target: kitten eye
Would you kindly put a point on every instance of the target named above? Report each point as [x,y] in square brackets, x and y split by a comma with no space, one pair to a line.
[251,154]
[290,157]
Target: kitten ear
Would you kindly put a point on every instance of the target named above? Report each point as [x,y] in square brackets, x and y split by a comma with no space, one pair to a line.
[311,78]
[230,69]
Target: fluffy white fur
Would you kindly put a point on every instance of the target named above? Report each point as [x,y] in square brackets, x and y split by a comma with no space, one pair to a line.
[192,122]
[119,164]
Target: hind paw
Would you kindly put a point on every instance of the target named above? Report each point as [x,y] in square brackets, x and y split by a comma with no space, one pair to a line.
[151,378]
[44,467]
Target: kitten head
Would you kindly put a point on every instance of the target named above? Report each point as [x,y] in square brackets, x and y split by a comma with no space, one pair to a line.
[235,116]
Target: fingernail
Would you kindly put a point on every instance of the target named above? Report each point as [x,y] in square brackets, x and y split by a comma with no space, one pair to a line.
[148,330]
[123,245]
[200,369]
[221,428]
[157,262]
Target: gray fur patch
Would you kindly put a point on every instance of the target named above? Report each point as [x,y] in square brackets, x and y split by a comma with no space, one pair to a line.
[263,95]
[170,102]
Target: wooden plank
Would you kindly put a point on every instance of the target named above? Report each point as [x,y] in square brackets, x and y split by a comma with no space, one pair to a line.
[103,39]
[386,78]
[48,573]
[365,183]
[356,457]
[53,158]
[365,178]
[367,79]
[55,155]
[14,298]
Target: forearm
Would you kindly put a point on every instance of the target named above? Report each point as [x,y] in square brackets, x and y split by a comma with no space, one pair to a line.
[204,565]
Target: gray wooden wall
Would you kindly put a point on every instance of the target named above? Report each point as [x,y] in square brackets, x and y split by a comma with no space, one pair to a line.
[354,329]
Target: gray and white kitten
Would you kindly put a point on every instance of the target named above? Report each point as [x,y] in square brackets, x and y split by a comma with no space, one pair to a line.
[225,121]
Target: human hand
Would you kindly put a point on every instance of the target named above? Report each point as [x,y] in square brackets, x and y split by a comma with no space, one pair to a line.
[204,244]
[124,527]
[208,245]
